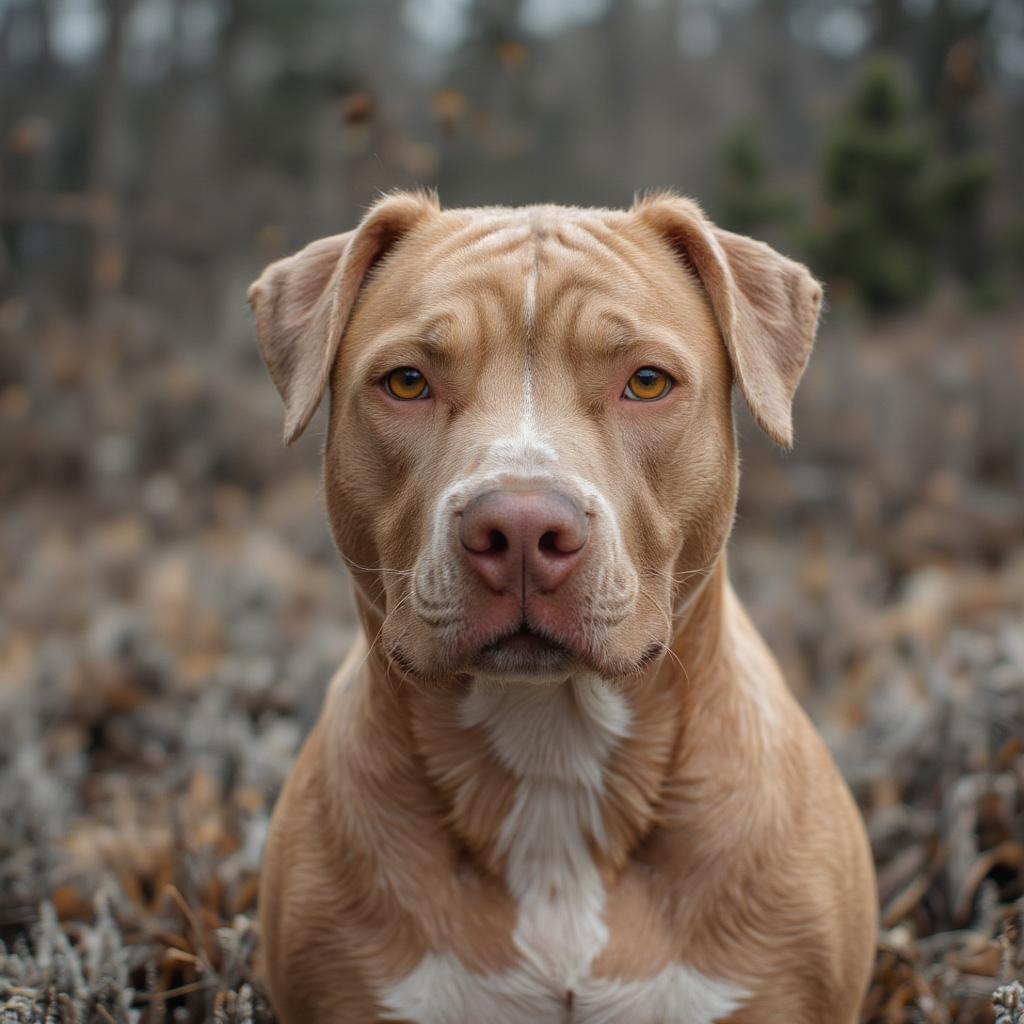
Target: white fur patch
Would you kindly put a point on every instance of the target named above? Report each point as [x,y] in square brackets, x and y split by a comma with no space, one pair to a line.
[527,447]
[556,738]
[441,991]
[678,993]
[530,299]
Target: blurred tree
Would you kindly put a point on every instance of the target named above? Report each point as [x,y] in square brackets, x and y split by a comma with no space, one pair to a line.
[955,84]
[950,47]
[107,159]
[879,222]
[145,145]
[1012,242]
[889,193]
[745,201]
[967,182]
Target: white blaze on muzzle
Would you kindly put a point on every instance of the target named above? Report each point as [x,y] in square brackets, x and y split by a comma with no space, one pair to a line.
[527,448]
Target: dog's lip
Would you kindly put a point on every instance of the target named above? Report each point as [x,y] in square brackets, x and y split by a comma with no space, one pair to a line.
[525,650]
[526,638]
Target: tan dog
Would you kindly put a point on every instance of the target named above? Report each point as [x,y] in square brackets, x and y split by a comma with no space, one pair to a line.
[561,779]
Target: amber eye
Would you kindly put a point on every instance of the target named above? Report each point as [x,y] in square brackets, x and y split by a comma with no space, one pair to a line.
[647,385]
[407,383]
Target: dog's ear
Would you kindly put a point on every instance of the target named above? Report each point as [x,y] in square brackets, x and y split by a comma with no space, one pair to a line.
[303,303]
[766,305]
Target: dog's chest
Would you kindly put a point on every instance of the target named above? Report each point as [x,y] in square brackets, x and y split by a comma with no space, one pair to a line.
[556,741]
[442,991]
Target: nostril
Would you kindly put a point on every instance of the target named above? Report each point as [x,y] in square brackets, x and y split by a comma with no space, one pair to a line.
[497,543]
[562,540]
[548,543]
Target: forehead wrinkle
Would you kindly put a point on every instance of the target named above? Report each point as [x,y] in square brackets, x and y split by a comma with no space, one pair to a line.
[616,244]
[580,286]
[493,240]
[580,296]
[473,276]
[494,311]
[611,268]
[471,231]
[579,245]
[603,333]
[500,241]
[598,266]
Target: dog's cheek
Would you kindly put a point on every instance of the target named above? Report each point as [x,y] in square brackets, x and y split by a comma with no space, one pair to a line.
[369,462]
[682,498]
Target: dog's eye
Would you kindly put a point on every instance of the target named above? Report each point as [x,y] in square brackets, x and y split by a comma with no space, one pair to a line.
[406,383]
[647,385]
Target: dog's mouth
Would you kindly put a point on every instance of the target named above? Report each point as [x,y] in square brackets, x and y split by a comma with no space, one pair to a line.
[525,652]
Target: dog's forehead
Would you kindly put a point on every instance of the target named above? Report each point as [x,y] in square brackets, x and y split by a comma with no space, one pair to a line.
[533,269]
[464,239]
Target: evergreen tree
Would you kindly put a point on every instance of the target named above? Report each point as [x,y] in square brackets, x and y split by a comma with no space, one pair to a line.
[890,195]
[880,220]
[746,202]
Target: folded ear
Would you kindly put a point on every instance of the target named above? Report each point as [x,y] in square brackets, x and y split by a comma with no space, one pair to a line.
[303,303]
[766,305]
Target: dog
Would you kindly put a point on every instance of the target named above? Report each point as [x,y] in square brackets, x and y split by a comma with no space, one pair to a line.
[560,777]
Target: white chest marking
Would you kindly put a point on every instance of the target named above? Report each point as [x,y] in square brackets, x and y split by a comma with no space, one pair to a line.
[556,739]
[677,993]
[441,991]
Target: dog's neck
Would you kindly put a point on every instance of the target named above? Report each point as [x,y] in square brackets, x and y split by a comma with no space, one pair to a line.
[585,760]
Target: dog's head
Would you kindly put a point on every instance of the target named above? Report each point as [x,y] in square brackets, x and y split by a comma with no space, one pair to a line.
[530,462]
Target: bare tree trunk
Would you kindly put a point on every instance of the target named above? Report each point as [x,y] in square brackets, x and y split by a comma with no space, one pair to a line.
[108,254]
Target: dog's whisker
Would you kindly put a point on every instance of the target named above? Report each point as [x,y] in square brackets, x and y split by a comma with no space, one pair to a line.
[380,632]
[673,577]
[380,569]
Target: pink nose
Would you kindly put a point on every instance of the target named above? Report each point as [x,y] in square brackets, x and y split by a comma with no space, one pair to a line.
[516,540]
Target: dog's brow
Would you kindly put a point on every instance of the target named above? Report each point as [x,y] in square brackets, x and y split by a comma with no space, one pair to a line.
[440,345]
[621,342]
[435,338]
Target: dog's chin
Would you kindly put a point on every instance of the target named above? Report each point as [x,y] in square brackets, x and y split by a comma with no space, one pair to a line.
[525,655]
